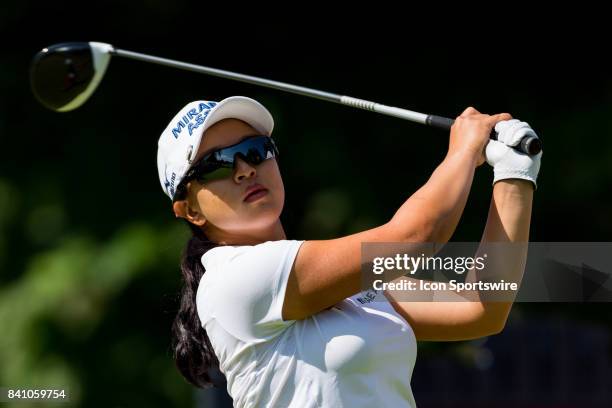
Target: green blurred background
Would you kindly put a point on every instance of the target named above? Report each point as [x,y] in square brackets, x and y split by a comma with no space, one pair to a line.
[89,248]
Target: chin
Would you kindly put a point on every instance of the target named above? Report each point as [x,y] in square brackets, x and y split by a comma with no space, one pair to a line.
[261,219]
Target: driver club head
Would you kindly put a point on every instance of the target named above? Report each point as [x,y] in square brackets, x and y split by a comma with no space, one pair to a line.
[63,76]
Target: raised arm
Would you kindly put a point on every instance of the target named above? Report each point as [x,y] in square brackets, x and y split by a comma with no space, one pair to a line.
[508,222]
[326,272]
[505,239]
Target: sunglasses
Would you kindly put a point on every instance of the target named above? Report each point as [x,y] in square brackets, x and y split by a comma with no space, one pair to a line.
[220,163]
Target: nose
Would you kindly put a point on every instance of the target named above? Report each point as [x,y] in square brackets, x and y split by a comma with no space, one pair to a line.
[243,169]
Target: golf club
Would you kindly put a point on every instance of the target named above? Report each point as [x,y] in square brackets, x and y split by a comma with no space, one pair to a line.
[63,76]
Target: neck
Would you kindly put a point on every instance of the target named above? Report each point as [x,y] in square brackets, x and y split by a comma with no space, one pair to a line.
[274,233]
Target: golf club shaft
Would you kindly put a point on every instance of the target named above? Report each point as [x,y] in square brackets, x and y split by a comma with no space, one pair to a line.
[300,90]
[430,120]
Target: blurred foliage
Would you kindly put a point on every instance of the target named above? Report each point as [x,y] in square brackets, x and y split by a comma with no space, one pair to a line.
[80,313]
[88,247]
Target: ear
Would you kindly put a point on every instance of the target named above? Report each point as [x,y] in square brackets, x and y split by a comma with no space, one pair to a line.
[182,209]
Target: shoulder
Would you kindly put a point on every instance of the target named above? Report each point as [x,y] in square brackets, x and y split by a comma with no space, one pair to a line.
[266,255]
[228,253]
[243,286]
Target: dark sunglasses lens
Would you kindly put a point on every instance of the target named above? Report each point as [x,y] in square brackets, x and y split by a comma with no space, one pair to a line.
[254,150]
[220,164]
[217,174]
[253,156]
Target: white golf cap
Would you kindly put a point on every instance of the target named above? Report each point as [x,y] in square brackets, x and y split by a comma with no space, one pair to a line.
[179,143]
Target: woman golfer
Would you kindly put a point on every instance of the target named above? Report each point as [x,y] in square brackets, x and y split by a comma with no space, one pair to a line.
[285,320]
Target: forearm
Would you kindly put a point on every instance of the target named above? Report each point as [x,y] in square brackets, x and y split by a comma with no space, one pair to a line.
[505,241]
[506,235]
[440,202]
[508,222]
[510,212]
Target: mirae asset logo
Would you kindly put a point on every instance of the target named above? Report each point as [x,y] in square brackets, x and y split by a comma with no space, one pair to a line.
[193,119]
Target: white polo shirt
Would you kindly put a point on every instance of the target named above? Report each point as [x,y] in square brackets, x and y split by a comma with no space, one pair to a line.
[359,353]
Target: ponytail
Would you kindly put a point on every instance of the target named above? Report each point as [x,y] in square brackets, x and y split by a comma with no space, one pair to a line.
[193,353]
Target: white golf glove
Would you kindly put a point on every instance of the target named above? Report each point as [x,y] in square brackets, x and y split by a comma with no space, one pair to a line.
[507,162]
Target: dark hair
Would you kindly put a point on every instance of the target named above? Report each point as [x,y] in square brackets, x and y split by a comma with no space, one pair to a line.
[193,353]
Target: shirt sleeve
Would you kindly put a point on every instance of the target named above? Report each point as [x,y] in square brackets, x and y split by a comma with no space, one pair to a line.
[244,288]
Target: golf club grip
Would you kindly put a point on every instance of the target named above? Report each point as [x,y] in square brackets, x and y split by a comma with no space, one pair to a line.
[530,145]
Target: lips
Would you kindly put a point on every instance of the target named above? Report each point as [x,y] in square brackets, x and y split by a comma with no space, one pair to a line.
[252,190]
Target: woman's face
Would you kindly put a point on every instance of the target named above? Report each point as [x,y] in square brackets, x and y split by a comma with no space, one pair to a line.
[219,206]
